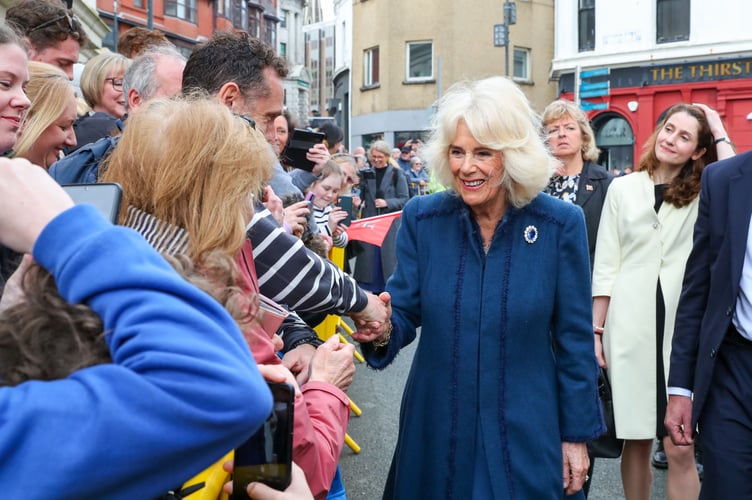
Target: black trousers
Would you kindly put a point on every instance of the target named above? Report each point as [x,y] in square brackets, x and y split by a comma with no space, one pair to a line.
[726,423]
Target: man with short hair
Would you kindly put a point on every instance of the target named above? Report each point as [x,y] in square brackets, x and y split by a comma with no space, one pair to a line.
[157,72]
[242,72]
[54,34]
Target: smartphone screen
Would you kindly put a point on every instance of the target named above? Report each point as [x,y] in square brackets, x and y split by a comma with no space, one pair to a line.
[345,203]
[266,456]
[301,141]
[104,196]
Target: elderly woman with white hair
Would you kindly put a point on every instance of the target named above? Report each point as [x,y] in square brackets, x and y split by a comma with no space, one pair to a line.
[502,395]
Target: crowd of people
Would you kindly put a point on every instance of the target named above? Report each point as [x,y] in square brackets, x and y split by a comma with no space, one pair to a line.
[129,343]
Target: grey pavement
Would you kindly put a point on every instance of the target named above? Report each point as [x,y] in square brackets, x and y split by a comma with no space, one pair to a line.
[378,393]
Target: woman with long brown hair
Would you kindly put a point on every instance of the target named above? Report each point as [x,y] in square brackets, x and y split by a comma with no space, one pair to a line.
[644,239]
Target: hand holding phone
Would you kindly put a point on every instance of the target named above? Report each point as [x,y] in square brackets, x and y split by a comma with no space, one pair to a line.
[266,457]
[301,140]
[345,202]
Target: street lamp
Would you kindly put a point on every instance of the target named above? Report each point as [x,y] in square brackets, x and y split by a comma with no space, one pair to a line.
[501,31]
[510,18]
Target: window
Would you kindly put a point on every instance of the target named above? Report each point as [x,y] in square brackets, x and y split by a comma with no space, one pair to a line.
[240,14]
[283,18]
[182,9]
[270,32]
[283,49]
[371,67]
[615,139]
[586,29]
[138,4]
[419,61]
[224,8]
[254,24]
[672,21]
[522,64]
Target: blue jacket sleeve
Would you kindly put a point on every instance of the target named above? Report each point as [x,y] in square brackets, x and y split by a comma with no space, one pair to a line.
[182,389]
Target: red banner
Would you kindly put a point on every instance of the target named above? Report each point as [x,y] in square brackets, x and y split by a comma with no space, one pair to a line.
[372,230]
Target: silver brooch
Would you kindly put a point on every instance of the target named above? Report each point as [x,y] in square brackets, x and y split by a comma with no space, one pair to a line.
[530,234]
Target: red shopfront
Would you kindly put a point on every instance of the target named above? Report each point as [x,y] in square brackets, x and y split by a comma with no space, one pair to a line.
[638,95]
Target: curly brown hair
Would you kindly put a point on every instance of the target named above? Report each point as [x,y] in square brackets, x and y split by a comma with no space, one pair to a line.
[46,338]
[45,23]
[686,185]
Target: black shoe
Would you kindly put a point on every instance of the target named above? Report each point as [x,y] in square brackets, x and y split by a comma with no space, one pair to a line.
[659,459]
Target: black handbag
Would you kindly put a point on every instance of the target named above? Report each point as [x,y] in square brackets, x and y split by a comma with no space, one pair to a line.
[607,445]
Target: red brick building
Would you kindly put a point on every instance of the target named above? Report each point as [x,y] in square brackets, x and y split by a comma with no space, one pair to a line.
[187,22]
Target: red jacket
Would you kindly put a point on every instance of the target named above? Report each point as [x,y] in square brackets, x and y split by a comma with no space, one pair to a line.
[321,414]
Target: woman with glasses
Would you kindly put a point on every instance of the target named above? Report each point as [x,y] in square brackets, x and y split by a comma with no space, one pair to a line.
[102,89]
[502,395]
[47,126]
[383,190]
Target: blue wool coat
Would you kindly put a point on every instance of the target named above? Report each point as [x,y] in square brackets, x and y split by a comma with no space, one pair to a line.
[506,344]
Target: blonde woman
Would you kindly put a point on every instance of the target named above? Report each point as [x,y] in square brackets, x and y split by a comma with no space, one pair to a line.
[102,89]
[47,125]
[502,395]
[188,169]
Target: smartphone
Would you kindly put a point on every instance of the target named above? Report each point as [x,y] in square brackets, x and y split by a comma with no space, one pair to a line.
[345,203]
[266,456]
[309,197]
[104,196]
[301,140]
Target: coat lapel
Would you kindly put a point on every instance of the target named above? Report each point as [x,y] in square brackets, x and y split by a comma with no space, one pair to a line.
[586,188]
[740,210]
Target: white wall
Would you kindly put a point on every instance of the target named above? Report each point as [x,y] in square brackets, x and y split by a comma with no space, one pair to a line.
[625,32]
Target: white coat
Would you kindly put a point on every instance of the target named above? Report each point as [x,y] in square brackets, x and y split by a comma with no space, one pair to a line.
[635,247]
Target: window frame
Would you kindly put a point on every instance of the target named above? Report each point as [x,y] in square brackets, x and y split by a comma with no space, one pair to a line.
[669,14]
[585,25]
[185,10]
[371,76]
[528,64]
[408,60]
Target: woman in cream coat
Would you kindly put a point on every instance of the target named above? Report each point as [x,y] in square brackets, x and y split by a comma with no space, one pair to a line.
[644,239]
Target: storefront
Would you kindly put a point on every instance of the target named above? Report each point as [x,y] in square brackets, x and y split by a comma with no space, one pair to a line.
[637,95]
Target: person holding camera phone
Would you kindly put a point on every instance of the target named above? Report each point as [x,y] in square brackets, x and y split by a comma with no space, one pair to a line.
[329,218]
[383,189]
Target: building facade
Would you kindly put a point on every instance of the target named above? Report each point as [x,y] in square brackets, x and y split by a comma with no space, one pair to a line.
[188,22]
[627,62]
[291,46]
[319,45]
[406,54]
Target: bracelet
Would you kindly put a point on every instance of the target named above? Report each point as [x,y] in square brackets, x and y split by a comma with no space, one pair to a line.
[723,139]
[598,330]
[384,340]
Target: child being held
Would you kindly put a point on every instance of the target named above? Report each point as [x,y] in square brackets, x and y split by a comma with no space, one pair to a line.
[328,217]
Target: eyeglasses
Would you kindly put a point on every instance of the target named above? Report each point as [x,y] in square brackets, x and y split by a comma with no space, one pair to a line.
[117,83]
[73,23]
[479,155]
[250,121]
